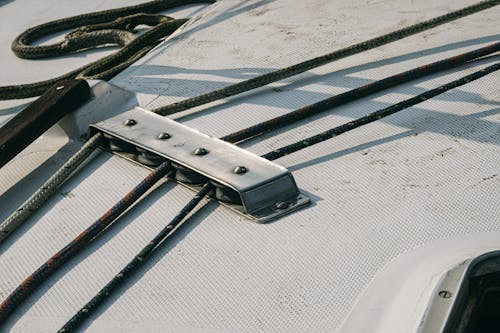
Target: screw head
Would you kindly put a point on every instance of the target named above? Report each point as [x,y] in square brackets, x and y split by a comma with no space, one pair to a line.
[282,205]
[59,87]
[239,170]
[164,136]
[200,151]
[444,294]
[130,122]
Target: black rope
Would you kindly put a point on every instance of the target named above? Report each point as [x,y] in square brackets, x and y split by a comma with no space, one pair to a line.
[280,152]
[140,259]
[134,264]
[358,93]
[302,67]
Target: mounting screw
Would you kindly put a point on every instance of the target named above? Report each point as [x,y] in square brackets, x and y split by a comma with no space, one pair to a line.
[239,170]
[200,151]
[130,122]
[444,294]
[59,87]
[164,136]
[282,205]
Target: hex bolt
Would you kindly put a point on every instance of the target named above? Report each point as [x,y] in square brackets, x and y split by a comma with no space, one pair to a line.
[200,151]
[130,122]
[282,205]
[444,294]
[164,136]
[239,170]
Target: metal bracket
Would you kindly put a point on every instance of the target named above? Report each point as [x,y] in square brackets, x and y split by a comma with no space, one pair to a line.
[266,190]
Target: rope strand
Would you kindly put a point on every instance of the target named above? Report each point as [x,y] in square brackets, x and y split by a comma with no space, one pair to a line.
[88,235]
[284,73]
[16,219]
[358,93]
[138,261]
[280,152]
[141,258]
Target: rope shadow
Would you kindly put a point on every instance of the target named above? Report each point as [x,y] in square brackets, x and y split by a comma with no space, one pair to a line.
[15,199]
[127,218]
[268,96]
[165,247]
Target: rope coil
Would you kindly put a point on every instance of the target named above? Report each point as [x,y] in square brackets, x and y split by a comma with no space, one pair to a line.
[41,274]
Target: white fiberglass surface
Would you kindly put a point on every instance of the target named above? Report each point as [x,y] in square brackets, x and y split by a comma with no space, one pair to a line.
[426,175]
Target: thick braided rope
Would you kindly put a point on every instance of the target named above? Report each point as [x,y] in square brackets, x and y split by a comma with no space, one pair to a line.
[360,92]
[22,48]
[374,116]
[88,235]
[102,69]
[88,309]
[284,73]
[115,22]
[41,195]
[134,264]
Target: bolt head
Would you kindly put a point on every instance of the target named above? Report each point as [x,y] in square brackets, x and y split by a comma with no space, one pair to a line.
[164,136]
[239,170]
[282,205]
[130,122]
[200,151]
[444,294]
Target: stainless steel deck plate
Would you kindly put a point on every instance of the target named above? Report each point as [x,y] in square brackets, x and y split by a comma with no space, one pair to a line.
[267,190]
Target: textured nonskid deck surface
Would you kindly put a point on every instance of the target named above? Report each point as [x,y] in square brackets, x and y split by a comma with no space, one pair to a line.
[396,203]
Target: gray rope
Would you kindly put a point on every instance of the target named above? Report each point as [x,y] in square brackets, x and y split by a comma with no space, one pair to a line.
[284,73]
[114,26]
[41,195]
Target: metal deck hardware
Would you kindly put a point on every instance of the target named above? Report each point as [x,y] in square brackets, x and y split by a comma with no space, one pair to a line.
[263,189]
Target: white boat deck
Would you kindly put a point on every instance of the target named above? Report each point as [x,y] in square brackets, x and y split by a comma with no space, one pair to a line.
[396,203]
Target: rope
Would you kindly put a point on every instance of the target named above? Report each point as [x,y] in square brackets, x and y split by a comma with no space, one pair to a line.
[96,29]
[275,154]
[357,93]
[134,264]
[37,199]
[88,235]
[284,73]
[141,258]
[42,273]
[41,195]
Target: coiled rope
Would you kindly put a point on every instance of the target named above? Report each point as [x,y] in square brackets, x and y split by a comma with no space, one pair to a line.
[43,193]
[23,291]
[145,253]
[129,17]
[96,29]
[91,233]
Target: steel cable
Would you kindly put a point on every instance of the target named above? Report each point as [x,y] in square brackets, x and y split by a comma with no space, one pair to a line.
[141,258]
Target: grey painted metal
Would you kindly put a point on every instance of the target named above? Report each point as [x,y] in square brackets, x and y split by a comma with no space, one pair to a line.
[261,187]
